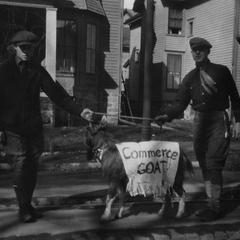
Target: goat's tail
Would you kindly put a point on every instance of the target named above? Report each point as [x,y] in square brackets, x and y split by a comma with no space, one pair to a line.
[187,163]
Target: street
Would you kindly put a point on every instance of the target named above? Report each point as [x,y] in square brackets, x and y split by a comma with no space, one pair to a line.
[73,203]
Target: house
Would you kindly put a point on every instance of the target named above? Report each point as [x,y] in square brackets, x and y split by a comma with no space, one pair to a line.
[80,46]
[175,23]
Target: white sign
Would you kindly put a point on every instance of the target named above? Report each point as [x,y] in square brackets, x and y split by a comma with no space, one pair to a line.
[151,166]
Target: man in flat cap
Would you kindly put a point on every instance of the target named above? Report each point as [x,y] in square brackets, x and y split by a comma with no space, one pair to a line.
[208,87]
[21,79]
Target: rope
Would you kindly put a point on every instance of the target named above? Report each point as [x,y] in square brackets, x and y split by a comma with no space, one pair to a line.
[124,116]
[132,118]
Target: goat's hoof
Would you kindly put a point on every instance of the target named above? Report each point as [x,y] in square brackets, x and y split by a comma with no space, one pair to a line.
[180,215]
[125,212]
[160,214]
[105,218]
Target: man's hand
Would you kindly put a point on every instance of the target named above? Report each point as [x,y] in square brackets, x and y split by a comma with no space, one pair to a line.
[161,119]
[236,130]
[87,114]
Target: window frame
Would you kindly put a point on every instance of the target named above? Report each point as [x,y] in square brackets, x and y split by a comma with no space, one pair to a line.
[175,19]
[64,45]
[91,58]
[174,73]
[190,27]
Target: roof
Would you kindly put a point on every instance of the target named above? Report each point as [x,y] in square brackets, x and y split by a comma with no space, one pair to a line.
[95,6]
[181,3]
[126,64]
[137,17]
[90,5]
[138,5]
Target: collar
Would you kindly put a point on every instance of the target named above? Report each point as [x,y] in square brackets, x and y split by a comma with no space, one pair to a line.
[203,64]
[98,153]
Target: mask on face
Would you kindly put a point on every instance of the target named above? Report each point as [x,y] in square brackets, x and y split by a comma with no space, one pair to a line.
[24,52]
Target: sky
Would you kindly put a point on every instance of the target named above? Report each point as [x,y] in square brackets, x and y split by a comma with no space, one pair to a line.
[128,3]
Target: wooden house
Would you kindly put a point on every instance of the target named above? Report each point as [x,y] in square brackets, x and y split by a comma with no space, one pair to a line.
[79,45]
[175,23]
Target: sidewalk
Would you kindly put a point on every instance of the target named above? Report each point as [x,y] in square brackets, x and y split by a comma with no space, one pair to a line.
[72,205]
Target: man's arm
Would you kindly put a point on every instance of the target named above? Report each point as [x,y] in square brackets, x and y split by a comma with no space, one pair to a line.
[235,103]
[181,102]
[58,94]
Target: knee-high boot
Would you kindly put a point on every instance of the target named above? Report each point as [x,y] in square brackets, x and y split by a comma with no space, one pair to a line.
[214,202]
[213,211]
[22,199]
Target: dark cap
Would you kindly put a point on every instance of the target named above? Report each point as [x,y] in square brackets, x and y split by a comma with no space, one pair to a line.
[199,42]
[23,37]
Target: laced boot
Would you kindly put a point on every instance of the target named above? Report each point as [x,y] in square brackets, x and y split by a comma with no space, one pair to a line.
[213,212]
[207,184]
[33,211]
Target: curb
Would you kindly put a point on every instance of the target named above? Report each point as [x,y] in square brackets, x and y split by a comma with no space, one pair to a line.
[62,167]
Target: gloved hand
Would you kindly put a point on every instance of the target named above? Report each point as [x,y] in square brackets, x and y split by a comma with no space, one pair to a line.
[87,114]
[161,119]
[236,130]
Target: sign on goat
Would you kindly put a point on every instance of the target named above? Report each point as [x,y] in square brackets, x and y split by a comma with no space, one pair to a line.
[151,166]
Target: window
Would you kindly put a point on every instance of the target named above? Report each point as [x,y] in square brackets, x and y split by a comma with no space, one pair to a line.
[66,46]
[190,27]
[174,65]
[91,49]
[175,21]
[126,39]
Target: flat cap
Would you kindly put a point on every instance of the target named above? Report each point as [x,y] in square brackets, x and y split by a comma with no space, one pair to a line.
[199,42]
[23,37]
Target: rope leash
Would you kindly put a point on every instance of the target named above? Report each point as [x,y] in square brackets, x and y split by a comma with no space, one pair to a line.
[124,116]
[132,118]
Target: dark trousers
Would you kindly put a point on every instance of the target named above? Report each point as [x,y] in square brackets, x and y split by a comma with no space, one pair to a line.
[211,139]
[25,153]
[211,145]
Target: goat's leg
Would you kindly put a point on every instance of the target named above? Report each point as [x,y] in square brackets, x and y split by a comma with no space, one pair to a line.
[107,215]
[181,207]
[178,188]
[122,208]
[164,206]
[181,204]
[162,210]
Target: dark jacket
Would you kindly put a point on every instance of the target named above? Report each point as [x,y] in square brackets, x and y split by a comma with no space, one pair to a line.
[20,97]
[191,91]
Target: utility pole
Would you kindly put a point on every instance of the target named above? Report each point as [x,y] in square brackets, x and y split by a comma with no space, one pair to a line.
[147,82]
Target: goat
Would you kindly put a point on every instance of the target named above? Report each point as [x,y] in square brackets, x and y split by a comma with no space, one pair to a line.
[102,148]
